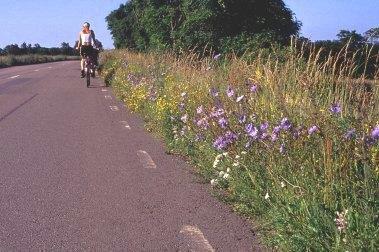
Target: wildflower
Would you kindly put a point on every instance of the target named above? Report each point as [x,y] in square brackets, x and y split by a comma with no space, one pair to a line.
[217,112]
[221,174]
[182,106]
[223,122]
[285,124]
[276,129]
[243,152]
[341,221]
[184,118]
[251,131]
[223,141]
[237,157]
[236,164]
[228,170]
[282,149]
[349,134]
[335,108]
[199,137]
[239,98]
[282,184]
[253,88]
[229,91]
[312,129]
[226,176]
[225,154]
[217,56]
[264,127]
[214,182]
[213,92]
[200,109]
[375,133]
[242,119]
[184,94]
[274,137]
[267,196]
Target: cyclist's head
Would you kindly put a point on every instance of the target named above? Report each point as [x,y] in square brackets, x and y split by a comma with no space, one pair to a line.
[86,25]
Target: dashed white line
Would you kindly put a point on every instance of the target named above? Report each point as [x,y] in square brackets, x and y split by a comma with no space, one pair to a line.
[114,108]
[49,67]
[196,239]
[103,90]
[125,124]
[145,159]
[13,77]
[36,70]
[108,97]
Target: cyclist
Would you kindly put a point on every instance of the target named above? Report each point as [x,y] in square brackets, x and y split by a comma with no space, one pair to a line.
[86,43]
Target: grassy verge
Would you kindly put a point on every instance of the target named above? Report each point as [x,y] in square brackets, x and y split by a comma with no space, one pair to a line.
[13,60]
[290,142]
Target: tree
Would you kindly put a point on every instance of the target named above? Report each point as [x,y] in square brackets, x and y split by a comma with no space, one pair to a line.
[372,35]
[161,24]
[353,37]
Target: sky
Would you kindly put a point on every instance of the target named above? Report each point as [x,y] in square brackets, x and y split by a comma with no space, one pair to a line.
[50,23]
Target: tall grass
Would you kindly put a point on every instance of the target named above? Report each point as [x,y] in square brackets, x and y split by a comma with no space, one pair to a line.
[15,60]
[289,140]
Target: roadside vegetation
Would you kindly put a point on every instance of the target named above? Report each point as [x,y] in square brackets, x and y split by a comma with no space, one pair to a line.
[25,54]
[285,130]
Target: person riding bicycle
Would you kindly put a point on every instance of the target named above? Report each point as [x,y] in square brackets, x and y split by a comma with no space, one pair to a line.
[86,42]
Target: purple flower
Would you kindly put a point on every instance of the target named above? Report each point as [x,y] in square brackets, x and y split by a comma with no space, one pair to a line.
[182,106]
[199,137]
[263,136]
[349,134]
[239,98]
[264,127]
[251,131]
[375,133]
[297,132]
[217,56]
[213,92]
[223,141]
[274,137]
[312,129]
[335,108]
[276,130]
[253,88]
[200,109]
[203,123]
[216,112]
[223,122]
[230,91]
[285,124]
[242,119]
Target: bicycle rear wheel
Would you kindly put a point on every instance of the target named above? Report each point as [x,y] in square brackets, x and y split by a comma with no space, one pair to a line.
[88,76]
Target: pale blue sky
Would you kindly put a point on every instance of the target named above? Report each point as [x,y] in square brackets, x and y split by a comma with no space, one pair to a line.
[51,22]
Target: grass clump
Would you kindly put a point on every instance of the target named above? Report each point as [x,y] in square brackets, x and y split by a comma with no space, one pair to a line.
[18,60]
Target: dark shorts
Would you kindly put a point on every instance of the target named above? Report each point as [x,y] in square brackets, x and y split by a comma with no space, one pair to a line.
[86,50]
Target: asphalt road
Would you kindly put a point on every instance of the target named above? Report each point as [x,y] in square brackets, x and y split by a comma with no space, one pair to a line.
[79,172]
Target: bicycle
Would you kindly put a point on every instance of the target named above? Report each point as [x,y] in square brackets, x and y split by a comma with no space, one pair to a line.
[89,68]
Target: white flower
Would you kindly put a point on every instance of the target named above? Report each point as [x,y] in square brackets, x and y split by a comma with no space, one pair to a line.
[243,152]
[221,174]
[183,94]
[282,184]
[215,163]
[235,164]
[228,170]
[239,98]
[237,157]
[214,182]
[184,118]
[267,196]
[225,154]
[226,176]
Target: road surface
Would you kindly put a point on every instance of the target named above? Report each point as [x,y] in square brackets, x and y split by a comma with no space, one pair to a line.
[79,172]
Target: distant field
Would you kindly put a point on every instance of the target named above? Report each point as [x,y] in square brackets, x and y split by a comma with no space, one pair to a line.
[12,60]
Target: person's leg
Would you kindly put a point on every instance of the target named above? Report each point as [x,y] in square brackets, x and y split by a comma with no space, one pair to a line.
[81,63]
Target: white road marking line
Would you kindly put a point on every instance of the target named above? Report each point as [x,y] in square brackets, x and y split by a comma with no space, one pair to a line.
[197,240]
[13,77]
[145,159]
[103,90]
[108,97]
[114,108]
[125,124]
[36,70]
[49,67]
